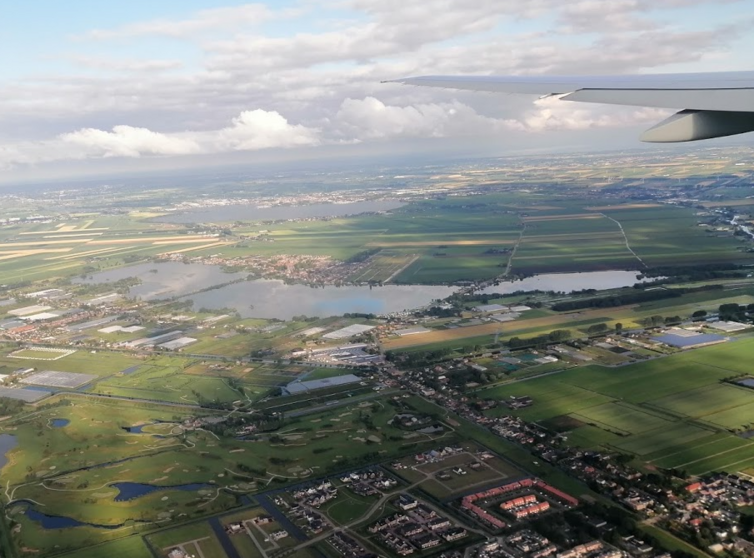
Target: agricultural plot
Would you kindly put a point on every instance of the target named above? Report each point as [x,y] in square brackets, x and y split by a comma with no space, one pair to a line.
[670,236]
[42,353]
[82,362]
[673,412]
[705,401]
[585,242]
[40,252]
[382,267]
[624,419]
[54,378]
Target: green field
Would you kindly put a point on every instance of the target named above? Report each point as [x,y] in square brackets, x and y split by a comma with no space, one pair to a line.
[69,470]
[674,411]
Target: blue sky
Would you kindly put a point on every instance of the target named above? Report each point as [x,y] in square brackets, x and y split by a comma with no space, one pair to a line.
[89,85]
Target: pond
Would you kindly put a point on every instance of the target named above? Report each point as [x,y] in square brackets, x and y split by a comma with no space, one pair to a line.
[59,423]
[131,490]
[7,443]
[228,213]
[569,282]
[267,298]
[135,429]
[61,522]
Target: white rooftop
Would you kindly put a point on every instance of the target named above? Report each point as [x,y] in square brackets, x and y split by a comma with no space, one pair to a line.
[349,331]
[40,316]
[26,310]
[728,327]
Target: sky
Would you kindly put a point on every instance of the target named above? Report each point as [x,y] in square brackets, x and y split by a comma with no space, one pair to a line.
[90,87]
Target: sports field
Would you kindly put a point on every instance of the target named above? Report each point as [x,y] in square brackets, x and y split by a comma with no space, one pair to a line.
[673,412]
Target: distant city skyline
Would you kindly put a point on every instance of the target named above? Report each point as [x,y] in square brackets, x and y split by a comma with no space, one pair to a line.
[92,88]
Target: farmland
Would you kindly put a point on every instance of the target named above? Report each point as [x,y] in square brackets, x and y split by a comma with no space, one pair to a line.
[673,412]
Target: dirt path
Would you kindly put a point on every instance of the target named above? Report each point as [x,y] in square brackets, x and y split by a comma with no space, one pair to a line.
[625,237]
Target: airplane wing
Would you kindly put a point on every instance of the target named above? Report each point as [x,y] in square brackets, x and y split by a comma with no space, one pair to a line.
[714,104]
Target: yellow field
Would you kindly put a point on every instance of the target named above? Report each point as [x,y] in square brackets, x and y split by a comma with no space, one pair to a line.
[572,236]
[175,239]
[11,254]
[574,216]
[71,247]
[66,232]
[494,328]
[444,243]
[623,206]
[732,203]
[22,245]
[191,248]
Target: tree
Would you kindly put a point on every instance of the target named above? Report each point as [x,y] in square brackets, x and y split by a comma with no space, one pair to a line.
[699,314]
[597,328]
[618,327]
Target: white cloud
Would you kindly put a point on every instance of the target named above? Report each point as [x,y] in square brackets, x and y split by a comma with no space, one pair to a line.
[322,84]
[552,114]
[250,131]
[370,118]
[127,141]
[259,129]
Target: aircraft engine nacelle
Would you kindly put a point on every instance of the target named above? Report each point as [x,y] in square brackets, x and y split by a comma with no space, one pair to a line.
[693,125]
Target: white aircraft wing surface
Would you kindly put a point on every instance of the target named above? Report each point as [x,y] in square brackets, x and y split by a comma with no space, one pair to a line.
[714,104]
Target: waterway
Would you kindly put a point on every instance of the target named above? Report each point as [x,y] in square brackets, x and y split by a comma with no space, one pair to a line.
[227,213]
[7,443]
[569,282]
[266,298]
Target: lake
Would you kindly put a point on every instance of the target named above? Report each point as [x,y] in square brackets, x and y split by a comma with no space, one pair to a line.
[266,298]
[229,213]
[59,423]
[7,443]
[166,279]
[131,490]
[569,282]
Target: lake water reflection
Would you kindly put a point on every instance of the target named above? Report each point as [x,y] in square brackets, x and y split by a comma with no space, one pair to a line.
[267,298]
[276,213]
[167,279]
[569,282]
